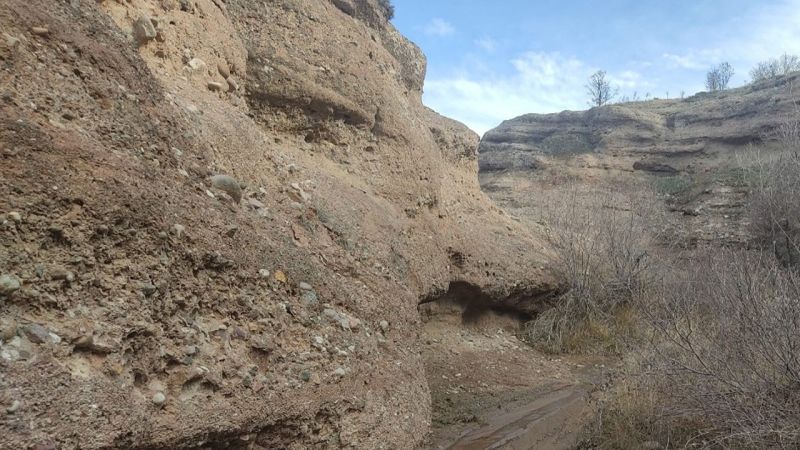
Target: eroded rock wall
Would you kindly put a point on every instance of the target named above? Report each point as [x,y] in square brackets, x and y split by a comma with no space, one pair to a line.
[143,307]
[649,131]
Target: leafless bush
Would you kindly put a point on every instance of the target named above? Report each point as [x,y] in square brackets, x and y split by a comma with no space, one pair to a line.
[601,244]
[388,8]
[773,205]
[774,68]
[600,90]
[774,182]
[728,349]
[719,76]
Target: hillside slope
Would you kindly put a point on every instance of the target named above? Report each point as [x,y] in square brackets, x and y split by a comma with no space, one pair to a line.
[219,219]
[655,131]
[689,152]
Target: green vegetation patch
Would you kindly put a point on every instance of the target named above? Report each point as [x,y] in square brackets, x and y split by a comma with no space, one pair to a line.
[672,185]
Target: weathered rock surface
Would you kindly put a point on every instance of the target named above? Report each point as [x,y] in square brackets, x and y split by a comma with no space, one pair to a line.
[656,130]
[110,147]
[685,151]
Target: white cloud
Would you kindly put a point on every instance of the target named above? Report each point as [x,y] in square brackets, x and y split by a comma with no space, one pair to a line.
[439,27]
[745,41]
[628,80]
[486,43]
[682,61]
[772,32]
[540,82]
[694,59]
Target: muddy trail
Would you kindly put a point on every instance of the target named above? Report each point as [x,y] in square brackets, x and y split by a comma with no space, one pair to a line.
[492,391]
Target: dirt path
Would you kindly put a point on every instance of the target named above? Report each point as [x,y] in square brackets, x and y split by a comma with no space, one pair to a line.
[552,421]
[491,391]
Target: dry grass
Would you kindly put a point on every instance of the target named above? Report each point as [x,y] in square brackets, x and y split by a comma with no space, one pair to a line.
[728,348]
[722,364]
[718,362]
[602,243]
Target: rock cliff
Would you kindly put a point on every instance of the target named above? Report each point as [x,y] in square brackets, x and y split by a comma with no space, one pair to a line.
[687,151]
[648,132]
[219,219]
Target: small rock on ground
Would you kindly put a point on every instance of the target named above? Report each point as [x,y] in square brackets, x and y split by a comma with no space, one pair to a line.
[9,284]
[228,185]
[143,30]
[159,398]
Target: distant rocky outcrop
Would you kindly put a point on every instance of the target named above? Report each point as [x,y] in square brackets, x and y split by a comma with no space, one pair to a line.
[654,130]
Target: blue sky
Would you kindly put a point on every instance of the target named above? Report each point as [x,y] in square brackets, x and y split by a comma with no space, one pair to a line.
[493,60]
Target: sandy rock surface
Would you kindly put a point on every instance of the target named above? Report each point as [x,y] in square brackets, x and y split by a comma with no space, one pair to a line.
[143,305]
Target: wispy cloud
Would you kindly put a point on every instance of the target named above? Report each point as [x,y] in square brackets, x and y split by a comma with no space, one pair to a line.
[773,32]
[486,43]
[439,27]
[539,82]
[769,33]
[693,59]
[483,90]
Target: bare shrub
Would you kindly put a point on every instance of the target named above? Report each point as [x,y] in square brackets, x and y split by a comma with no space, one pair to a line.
[774,210]
[387,8]
[601,243]
[600,90]
[774,68]
[774,182]
[727,349]
[719,76]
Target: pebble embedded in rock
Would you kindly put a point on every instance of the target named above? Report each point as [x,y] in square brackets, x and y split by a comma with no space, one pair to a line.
[340,372]
[196,64]
[40,31]
[280,277]
[263,273]
[8,329]
[84,342]
[178,230]
[228,185]
[310,297]
[232,85]
[223,69]
[143,30]
[384,326]
[15,217]
[196,373]
[159,398]
[60,273]
[214,86]
[14,407]
[149,289]
[255,204]
[39,334]
[262,343]
[305,286]
[11,41]
[9,284]
[305,376]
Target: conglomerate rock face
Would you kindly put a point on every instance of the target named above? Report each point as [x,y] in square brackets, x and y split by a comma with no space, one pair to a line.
[218,220]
